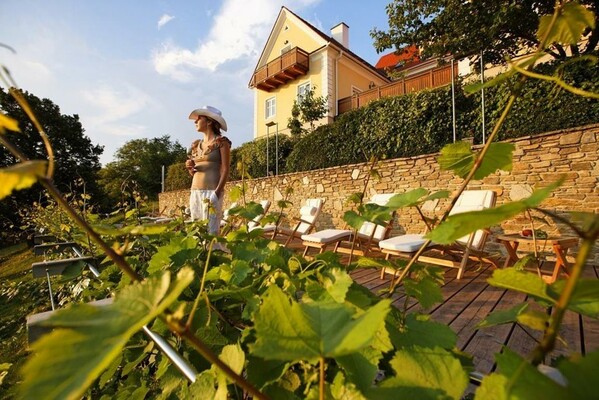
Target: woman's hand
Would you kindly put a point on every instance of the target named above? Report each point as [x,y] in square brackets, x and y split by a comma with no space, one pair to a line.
[189,164]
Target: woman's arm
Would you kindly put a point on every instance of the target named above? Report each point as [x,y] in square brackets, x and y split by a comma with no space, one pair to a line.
[189,164]
[225,160]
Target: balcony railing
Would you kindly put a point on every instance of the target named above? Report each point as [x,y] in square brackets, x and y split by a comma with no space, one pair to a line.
[427,80]
[294,63]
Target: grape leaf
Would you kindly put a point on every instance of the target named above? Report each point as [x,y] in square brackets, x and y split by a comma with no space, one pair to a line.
[581,374]
[292,331]
[423,373]
[20,176]
[9,123]
[459,158]
[525,381]
[178,251]
[420,331]
[502,316]
[569,25]
[88,338]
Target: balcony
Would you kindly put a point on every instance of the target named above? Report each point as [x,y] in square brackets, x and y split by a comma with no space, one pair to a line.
[433,78]
[289,66]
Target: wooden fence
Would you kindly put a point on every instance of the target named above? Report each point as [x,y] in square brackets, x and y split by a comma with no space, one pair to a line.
[432,78]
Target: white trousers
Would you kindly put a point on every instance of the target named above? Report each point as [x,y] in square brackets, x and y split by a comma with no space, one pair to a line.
[205,205]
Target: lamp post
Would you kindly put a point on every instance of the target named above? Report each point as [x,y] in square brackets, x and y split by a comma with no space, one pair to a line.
[268,125]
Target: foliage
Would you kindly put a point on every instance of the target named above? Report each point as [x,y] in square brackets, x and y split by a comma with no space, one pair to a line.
[177,177]
[500,29]
[402,126]
[307,110]
[560,110]
[20,295]
[276,325]
[253,155]
[76,156]
[140,161]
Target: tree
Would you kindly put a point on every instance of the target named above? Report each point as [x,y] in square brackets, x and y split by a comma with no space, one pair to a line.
[499,28]
[140,162]
[177,177]
[76,157]
[307,109]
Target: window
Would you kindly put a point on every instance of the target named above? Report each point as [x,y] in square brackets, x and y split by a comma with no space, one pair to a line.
[355,91]
[302,90]
[270,108]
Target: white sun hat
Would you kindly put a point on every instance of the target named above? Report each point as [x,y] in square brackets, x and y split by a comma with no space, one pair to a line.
[211,112]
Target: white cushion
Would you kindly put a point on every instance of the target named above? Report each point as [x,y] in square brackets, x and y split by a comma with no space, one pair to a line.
[403,243]
[381,199]
[266,228]
[308,210]
[327,236]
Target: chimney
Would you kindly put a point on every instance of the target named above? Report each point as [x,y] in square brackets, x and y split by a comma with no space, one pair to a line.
[340,33]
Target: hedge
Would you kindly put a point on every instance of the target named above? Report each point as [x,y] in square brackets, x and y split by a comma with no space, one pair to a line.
[421,123]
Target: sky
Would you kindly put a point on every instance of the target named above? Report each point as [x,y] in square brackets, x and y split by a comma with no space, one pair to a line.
[136,69]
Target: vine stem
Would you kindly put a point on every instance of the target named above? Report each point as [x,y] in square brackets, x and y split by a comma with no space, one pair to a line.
[355,231]
[485,149]
[120,261]
[203,281]
[548,342]
[213,359]
[321,380]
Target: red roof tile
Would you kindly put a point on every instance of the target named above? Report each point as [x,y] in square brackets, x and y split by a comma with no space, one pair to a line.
[393,59]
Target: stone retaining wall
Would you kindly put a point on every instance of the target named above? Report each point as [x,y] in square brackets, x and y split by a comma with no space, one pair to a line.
[538,161]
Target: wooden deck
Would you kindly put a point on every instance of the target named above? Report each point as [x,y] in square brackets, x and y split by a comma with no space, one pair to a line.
[467,301]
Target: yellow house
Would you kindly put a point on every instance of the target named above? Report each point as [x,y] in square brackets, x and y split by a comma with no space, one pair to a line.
[298,57]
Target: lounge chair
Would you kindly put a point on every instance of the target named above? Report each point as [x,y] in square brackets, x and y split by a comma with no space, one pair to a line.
[368,235]
[229,221]
[308,214]
[254,223]
[466,248]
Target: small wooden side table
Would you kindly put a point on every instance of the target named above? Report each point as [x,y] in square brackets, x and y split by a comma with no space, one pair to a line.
[559,245]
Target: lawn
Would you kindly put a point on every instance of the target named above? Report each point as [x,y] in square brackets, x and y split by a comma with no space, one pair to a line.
[20,295]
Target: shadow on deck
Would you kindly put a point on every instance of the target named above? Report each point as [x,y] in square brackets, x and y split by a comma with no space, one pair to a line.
[468,300]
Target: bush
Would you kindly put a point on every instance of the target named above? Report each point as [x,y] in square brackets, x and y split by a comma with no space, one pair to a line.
[253,155]
[421,123]
[542,108]
[177,177]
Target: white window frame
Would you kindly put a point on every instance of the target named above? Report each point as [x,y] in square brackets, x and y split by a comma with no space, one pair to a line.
[300,93]
[270,107]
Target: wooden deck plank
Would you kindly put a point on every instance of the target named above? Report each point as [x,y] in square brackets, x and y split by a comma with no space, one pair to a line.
[469,300]
[465,325]
[485,343]
[523,339]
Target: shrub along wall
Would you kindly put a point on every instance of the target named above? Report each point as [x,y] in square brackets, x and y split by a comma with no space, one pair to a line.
[538,161]
[421,123]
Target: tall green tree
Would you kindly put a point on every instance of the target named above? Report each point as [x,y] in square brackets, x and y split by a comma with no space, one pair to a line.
[499,28]
[76,157]
[139,163]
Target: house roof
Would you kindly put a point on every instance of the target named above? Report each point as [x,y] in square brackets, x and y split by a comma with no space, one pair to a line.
[401,58]
[328,39]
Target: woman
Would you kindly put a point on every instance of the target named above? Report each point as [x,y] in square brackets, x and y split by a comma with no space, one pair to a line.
[208,163]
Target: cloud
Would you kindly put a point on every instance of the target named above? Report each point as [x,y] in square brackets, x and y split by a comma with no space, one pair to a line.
[239,31]
[165,19]
[110,107]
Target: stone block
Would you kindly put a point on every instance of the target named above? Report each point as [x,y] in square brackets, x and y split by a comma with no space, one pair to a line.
[570,138]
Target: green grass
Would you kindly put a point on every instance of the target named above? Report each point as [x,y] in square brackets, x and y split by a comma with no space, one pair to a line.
[20,295]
